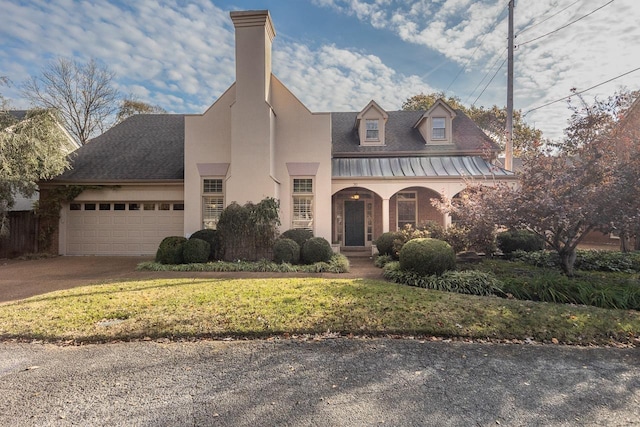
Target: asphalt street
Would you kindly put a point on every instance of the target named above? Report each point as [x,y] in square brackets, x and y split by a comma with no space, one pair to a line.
[321,382]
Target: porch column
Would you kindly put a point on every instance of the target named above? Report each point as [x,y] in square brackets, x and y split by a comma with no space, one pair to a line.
[385,215]
[447,220]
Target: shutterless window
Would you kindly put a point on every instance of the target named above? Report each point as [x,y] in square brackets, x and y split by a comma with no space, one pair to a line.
[372,129]
[439,128]
[407,209]
[302,215]
[212,202]
[105,206]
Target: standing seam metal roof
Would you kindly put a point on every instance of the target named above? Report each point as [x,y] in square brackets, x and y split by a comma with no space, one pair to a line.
[428,167]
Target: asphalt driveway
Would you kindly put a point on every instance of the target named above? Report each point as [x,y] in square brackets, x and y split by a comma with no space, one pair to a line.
[323,382]
[25,278]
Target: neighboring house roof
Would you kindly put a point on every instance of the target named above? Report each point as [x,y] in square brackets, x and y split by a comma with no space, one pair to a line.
[402,138]
[142,147]
[431,167]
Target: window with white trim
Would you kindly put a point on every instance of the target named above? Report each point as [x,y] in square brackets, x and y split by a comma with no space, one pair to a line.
[372,130]
[302,204]
[438,130]
[212,202]
[407,209]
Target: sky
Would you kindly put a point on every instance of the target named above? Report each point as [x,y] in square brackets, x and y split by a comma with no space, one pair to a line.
[337,55]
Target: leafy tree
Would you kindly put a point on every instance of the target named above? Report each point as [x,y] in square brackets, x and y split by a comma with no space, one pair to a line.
[567,189]
[32,149]
[492,121]
[130,107]
[83,94]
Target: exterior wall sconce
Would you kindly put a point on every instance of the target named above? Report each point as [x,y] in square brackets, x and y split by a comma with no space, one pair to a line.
[356,196]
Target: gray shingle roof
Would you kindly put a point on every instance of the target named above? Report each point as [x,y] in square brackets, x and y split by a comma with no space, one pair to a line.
[429,167]
[143,147]
[402,137]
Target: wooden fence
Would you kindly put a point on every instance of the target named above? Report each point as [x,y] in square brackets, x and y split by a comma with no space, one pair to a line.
[23,238]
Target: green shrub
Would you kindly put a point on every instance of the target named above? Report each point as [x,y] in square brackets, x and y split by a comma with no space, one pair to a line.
[587,260]
[384,243]
[427,256]
[286,251]
[382,260]
[170,250]
[523,240]
[212,238]
[316,249]
[196,251]
[298,235]
[404,235]
[469,282]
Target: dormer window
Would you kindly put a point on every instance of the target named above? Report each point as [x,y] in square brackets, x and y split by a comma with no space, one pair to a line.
[438,129]
[370,123]
[372,130]
[436,124]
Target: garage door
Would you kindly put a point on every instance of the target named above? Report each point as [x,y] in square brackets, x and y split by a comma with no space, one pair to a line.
[121,228]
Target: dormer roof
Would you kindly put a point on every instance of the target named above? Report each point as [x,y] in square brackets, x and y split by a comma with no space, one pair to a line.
[439,102]
[372,104]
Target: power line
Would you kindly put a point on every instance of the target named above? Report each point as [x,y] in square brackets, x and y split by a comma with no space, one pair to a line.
[547,18]
[582,91]
[486,74]
[474,51]
[489,82]
[566,25]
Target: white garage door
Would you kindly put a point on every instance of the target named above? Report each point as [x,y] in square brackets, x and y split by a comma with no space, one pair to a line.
[121,228]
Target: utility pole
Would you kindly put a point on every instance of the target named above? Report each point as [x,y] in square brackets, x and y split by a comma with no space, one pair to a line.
[508,155]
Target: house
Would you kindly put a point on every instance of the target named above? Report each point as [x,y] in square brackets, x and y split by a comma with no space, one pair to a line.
[347,176]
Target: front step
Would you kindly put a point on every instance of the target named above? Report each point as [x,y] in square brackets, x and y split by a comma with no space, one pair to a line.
[356,251]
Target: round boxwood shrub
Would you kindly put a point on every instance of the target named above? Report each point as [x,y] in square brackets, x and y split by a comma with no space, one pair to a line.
[212,238]
[427,256]
[170,250]
[195,251]
[298,235]
[523,240]
[286,250]
[384,243]
[316,249]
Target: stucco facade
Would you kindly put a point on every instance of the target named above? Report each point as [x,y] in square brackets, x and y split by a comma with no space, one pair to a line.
[347,176]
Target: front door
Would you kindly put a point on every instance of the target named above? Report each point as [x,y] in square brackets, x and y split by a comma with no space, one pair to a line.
[354,223]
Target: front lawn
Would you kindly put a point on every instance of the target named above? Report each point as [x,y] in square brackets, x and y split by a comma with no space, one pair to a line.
[203,308]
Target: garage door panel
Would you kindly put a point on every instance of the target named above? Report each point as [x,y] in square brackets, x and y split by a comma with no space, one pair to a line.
[120,232]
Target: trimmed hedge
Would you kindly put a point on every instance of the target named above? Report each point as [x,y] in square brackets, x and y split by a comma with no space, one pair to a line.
[298,235]
[316,249]
[170,250]
[195,251]
[286,250]
[212,238]
[384,243]
[519,240]
[427,256]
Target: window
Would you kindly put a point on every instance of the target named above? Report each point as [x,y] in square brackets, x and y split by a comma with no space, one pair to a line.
[134,206]
[212,202]
[75,206]
[302,216]
[105,206]
[164,206]
[439,125]
[406,208]
[118,206]
[89,206]
[178,206]
[372,130]
[149,206]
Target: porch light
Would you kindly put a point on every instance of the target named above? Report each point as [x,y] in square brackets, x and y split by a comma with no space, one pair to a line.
[356,196]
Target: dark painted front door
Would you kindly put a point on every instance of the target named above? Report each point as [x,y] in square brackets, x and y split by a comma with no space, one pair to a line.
[354,223]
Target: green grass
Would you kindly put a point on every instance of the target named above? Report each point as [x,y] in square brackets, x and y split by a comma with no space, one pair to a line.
[199,308]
